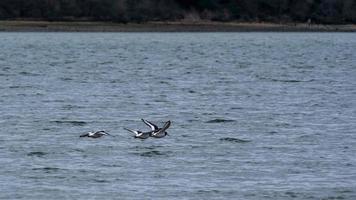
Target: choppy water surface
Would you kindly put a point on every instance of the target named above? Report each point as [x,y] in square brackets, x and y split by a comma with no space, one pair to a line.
[254,115]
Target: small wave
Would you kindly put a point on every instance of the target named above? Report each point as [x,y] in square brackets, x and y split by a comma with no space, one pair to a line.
[69,62]
[185,136]
[116,81]
[220,121]
[285,125]
[291,194]
[70,107]
[149,148]
[285,81]
[20,86]
[235,140]
[44,177]
[111,165]
[75,123]
[345,191]
[282,80]
[66,79]
[78,150]
[47,169]
[37,153]
[53,101]
[272,132]
[302,66]
[106,63]
[290,81]
[100,181]
[29,74]
[151,153]
[164,82]
[209,191]
[237,108]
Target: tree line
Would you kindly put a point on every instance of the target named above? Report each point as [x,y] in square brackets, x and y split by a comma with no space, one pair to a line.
[278,11]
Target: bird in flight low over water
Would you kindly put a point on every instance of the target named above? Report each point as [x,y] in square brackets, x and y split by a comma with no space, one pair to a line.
[96,134]
[155,131]
[140,134]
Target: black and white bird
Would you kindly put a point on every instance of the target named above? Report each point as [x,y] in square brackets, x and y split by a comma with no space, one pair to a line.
[140,134]
[96,134]
[155,131]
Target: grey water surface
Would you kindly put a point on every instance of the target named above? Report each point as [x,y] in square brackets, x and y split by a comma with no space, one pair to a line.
[254,115]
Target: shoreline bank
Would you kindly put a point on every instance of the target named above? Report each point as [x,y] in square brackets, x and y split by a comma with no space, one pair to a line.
[46,26]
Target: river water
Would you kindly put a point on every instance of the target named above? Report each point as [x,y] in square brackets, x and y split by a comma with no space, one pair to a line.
[254,115]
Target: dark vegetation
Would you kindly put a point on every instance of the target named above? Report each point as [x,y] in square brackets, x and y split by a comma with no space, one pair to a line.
[278,11]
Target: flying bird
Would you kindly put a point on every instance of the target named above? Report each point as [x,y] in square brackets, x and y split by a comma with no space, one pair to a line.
[155,131]
[96,134]
[139,134]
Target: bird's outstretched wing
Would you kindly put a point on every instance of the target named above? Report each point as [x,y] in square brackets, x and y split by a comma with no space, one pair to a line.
[165,126]
[103,133]
[132,131]
[150,124]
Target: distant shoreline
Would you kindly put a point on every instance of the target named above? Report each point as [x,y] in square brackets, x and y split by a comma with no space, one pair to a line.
[201,26]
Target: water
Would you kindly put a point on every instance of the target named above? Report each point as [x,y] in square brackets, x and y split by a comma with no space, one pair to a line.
[254,115]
